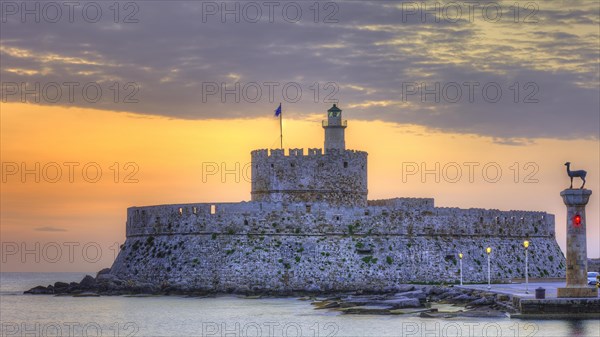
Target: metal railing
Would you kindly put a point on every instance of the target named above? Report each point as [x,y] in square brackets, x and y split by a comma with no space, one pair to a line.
[343,123]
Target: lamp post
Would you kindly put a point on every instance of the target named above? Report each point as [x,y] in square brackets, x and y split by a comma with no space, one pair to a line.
[488,250]
[460,256]
[526,245]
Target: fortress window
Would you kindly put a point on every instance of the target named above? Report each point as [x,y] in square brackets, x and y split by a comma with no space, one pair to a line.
[307,208]
[272,166]
[213,209]
[195,210]
[345,164]
[180,211]
[292,164]
[337,218]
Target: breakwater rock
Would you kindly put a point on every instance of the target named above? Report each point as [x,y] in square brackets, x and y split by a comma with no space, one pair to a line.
[426,301]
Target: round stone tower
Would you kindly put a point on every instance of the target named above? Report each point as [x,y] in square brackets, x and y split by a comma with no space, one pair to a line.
[336,176]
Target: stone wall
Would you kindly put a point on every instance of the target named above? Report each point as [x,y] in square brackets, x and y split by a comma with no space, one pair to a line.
[338,177]
[280,247]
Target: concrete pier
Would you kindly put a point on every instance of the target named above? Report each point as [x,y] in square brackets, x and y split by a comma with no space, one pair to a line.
[551,307]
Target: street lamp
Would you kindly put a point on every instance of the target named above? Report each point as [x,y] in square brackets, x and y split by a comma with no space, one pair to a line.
[460,256]
[526,245]
[488,250]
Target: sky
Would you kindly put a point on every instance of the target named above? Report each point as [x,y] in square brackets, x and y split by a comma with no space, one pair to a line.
[109,106]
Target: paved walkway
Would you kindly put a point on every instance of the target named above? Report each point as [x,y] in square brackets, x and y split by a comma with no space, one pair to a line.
[518,289]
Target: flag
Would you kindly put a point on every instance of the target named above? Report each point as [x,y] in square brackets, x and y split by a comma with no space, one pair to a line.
[278,110]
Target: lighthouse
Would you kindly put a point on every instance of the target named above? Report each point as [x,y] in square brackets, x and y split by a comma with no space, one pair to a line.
[334,129]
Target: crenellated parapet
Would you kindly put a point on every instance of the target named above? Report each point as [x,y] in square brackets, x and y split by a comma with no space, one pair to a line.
[414,203]
[296,152]
[338,177]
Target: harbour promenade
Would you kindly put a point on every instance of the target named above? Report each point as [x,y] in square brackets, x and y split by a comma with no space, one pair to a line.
[550,307]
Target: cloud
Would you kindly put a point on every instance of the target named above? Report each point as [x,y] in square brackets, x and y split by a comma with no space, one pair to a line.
[49,229]
[164,63]
[513,141]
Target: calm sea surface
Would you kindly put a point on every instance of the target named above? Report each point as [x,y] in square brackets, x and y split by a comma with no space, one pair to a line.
[28,315]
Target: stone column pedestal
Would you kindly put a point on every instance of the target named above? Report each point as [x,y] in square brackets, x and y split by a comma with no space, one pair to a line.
[576,200]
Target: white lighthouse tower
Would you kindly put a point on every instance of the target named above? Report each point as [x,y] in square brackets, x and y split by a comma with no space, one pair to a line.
[334,129]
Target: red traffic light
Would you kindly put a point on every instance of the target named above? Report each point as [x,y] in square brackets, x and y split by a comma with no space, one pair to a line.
[577,220]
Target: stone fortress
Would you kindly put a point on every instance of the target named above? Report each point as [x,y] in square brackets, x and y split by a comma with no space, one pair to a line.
[309,227]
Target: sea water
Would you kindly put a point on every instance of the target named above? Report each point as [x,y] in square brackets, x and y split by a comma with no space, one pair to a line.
[231,316]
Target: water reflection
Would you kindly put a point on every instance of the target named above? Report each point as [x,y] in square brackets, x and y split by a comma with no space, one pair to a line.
[576,328]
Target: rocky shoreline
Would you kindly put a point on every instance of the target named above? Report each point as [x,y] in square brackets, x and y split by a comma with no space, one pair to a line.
[426,301]
[433,301]
[105,284]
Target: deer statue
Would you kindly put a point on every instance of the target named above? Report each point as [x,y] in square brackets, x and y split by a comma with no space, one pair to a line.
[572,174]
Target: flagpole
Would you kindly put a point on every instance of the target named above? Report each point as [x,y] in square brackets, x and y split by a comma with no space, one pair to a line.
[281,126]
